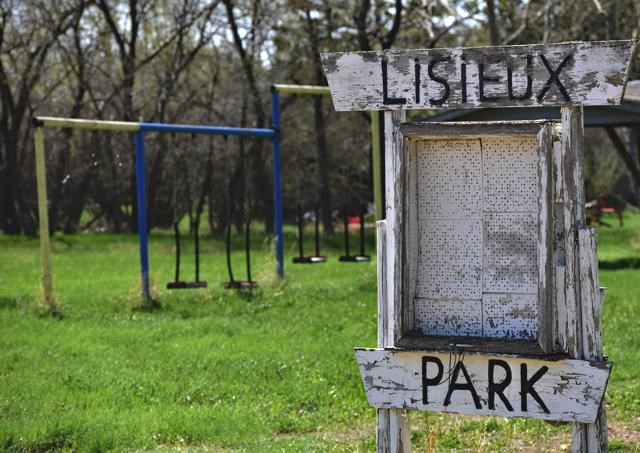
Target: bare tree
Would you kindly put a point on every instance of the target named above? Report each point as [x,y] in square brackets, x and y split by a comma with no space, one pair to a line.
[262,184]
[27,34]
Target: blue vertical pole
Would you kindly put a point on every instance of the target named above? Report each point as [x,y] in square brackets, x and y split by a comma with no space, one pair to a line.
[142,215]
[277,183]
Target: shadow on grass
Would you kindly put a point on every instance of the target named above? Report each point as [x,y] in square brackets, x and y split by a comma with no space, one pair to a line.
[8,303]
[621,263]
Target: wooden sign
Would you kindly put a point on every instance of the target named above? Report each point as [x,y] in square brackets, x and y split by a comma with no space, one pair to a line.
[483,248]
[563,390]
[575,73]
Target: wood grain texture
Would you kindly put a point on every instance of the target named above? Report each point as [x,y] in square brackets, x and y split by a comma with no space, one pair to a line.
[393,433]
[381,241]
[576,73]
[46,279]
[545,237]
[566,390]
[572,157]
[595,437]
[476,346]
[571,151]
[472,129]
[396,160]
[560,309]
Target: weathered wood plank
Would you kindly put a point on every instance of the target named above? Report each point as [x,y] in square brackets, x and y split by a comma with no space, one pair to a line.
[564,390]
[381,230]
[595,437]
[393,433]
[472,129]
[477,346]
[581,290]
[396,160]
[590,295]
[545,238]
[576,73]
[559,256]
[571,150]
[573,203]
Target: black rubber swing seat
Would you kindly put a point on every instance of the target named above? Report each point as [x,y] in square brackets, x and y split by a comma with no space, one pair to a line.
[240,284]
[354,258]
[309,259]
[186,285]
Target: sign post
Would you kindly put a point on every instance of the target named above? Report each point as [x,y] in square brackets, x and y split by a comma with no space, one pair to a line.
[488,293]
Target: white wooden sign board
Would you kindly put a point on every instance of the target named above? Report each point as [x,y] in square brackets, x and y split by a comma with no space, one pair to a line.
[487,276]
[563,390]
[576,73]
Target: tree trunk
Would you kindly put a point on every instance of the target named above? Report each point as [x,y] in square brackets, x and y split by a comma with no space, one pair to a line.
[262,183]
[323,165]
[493,25]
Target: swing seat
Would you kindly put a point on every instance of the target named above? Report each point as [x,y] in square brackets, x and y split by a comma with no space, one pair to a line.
[309,259]
[354,258]
[240,284]
[186,285]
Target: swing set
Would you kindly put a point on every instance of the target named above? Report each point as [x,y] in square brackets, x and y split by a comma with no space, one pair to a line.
[139,129]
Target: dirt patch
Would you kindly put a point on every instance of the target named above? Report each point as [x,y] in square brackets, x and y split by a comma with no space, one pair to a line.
[628,432]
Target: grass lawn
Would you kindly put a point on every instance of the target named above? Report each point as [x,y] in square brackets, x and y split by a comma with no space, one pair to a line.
[213,369]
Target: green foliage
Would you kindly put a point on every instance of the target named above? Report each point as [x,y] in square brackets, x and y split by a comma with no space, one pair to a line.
[213,369]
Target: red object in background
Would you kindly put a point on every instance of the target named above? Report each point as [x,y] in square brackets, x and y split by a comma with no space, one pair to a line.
[599,206]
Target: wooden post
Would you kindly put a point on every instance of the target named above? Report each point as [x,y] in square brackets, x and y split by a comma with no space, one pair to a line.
[394,164]
[582,300]
[376,150]
[46,281]
[595,434]
[394,430]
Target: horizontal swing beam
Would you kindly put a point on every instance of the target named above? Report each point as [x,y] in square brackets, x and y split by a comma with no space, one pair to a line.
[76,123]
[301,89]
[124,126]
[208,130]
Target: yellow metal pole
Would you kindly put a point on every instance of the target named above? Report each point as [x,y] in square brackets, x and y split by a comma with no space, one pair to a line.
[377,165]
[46,286]
[96,125]
[302,89]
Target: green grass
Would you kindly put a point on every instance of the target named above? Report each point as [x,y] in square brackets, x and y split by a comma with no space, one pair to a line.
[214,369]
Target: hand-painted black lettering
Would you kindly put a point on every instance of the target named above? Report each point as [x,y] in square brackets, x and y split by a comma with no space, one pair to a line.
[527,93]
[440,80]
[453,386]
[497,388]
[386,100]
[526,387]
[463,80]
[417,80]
[553,77]
[426,381]
[481,80]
